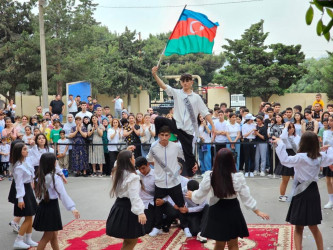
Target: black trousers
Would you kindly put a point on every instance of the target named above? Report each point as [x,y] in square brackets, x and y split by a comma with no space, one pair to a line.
[176,195]
[249,155]
[170,214]
[219,146]
[197,220]
[184,138]
[113,157]
[106,166]
[150,214]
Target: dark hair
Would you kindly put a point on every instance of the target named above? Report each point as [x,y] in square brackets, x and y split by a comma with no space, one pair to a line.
[165,129]
[309,144]
[83,102]
[123,164]
[260,117]
[281,115]
[223,104]
[46,146]
[307,111]
[267,103]
[324,120]
[70,95]
[246,110]
[232,114]
[216,108]
[106,107]
[229,110]
[185,77]
[329,105]
[62,132]
[289,108]
[276,104]
[220,111]
[46,166]
[298,107]
[221,179]
[140,161]
[322,115]
[298,113]
[192,185]
[91,122]
[7,118]
[123,121]
[78,118]
[16,154]
[290,126]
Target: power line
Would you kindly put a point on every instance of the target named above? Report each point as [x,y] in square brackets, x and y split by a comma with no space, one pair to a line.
[175,6]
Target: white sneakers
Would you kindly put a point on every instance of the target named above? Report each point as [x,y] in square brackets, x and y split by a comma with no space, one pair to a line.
[155,232]
[15,226]
[262,173]
[201,239]
[251,175]
[187,232]
[20,245]
[329,205]
[283,198]
[247,174]
[30,242]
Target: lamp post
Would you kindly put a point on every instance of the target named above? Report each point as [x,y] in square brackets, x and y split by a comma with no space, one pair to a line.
[41,4]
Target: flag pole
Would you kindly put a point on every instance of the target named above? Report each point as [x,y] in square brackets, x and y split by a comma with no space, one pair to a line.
[159,61]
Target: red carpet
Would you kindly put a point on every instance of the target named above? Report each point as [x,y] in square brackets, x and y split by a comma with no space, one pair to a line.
[90,235]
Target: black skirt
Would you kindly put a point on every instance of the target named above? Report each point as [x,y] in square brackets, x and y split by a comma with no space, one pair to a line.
[122,223]
[327,172]
[225,221]
[48,217]
[305,208]
[283,170]
[29,202]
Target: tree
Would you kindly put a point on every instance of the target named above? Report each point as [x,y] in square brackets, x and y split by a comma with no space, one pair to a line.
[325,7]
[125,72]
[328,77]
[253,70]
[17,51]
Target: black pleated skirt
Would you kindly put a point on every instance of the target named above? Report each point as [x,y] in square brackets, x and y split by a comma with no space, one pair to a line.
[29,201]
[305,208]
[48,217]
[283,170]
[225,221]
[122,223]
[327,172]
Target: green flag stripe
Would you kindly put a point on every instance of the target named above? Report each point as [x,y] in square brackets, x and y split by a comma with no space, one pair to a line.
[189,44]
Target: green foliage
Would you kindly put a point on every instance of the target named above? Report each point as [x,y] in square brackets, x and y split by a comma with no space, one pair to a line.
[326,8]
[253,70]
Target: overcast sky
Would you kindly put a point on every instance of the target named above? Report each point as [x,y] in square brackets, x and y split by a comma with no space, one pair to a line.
[284,20]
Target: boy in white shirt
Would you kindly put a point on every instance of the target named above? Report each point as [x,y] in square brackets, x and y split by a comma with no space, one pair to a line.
[63,150]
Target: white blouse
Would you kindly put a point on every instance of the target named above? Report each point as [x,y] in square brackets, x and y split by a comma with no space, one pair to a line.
[206,191]
[306,169]
[130,188]
[115,139]
[23,173]
[59,186]
[233,129]
[246,128]
[287,138]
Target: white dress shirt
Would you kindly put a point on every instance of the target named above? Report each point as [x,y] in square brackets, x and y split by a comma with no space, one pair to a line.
[305,168]
[205,191]
[285,137]
[83,114]
[147,194]
[181,114]
[130,188]
[72,108]
[23,173]
[5,148]
[168,155]
[328,137]
[57,190]
[246,128]
[115,139]
[233,129]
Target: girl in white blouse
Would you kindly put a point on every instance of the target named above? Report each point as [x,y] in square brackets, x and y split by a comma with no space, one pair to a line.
[24,199]
[127,214]
[328,140]
[305,207]
[48,189]
[225,221]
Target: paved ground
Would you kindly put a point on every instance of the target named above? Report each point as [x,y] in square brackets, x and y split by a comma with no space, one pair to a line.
[93,201]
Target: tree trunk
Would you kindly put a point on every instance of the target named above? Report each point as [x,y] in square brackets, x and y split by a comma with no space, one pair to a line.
[59,83]
[129,102]
[265,98]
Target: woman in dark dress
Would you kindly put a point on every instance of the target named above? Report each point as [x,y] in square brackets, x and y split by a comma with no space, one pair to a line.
[131,134]
[79,151]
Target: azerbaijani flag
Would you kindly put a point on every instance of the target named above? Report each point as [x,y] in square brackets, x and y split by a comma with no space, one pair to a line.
[194,33]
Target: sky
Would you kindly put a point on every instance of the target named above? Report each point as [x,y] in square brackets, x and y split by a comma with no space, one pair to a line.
[284,20]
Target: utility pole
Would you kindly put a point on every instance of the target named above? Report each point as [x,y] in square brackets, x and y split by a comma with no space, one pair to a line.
[41,4]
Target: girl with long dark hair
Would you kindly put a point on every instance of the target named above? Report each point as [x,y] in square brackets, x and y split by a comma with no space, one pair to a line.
[225,222]
[48,189]
[23,196]
[305,207]
[127,214]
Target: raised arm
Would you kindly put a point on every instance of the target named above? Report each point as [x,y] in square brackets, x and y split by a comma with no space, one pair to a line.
[157,79]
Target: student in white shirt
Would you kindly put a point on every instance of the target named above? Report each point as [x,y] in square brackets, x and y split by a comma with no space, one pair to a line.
[24,201]
[147,178]
[187,106]
[305,207]
[204,150]
[62,150]
[4,154]
[234,135]
[127,213]
[248,132]
[84,112]
[114,136]
[225,222]
[328,140]
[163,155]
[118,106]
[48,189]
[72,106]
[220,135]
